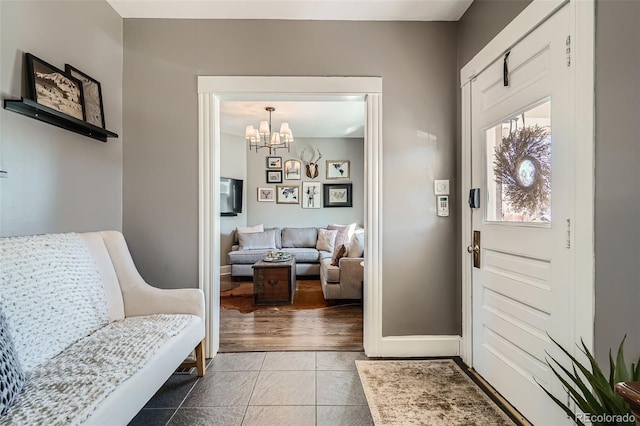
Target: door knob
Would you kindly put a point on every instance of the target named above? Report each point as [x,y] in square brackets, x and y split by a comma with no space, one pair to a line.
[473,249]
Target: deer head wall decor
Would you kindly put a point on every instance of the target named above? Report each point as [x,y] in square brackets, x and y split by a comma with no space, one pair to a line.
[312,165]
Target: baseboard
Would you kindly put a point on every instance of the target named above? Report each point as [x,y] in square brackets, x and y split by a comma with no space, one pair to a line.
[225,270]
[419,346]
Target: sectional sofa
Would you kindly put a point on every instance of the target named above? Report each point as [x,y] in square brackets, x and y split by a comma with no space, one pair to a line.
[341,281]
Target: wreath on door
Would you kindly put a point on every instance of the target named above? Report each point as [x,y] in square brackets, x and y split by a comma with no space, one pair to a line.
[522,165]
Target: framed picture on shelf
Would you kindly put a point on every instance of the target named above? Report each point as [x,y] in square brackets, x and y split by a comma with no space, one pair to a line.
[266,194]
[338,195]
[311,195]
[53,88]
[338,169]
[287,194]
[274,176]
[92,92]
[292,170]
[274,162]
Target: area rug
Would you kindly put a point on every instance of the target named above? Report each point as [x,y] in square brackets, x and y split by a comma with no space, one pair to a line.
[308,296]
[433,392]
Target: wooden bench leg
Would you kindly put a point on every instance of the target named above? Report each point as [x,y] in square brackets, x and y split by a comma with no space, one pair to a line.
[200,360]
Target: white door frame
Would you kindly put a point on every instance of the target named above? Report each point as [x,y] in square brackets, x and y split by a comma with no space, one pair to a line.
[582,46]
[210,91]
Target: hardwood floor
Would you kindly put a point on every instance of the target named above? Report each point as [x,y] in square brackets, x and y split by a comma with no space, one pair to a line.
[335,328]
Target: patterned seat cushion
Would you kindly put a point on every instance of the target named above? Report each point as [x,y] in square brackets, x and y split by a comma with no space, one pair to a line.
[12,377]
[66,391]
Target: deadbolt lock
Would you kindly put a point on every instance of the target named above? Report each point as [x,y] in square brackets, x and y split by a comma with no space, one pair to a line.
[475,249]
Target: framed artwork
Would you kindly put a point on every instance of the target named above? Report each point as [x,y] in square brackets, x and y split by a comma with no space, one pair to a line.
[338,169]
[311,195]
[266,194]
[53,88]
[338,195]
[274,176]
[287,194]
[274,162]
[92,92]
[292,170]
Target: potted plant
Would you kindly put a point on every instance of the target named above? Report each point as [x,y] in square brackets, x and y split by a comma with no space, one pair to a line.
[592,392]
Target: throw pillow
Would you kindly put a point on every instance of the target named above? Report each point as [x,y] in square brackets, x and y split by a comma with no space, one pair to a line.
[246,230]
[12,378]
[356,245]
[258,240]
[344,233]
[250,229]
[326,240]
[338,254]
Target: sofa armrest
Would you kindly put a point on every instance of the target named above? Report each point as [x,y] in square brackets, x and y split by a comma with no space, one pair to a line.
[351,274]
[139,297]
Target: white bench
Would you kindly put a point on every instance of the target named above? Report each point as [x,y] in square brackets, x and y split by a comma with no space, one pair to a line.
[95,341]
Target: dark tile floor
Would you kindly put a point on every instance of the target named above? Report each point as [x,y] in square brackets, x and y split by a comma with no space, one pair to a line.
[262,389]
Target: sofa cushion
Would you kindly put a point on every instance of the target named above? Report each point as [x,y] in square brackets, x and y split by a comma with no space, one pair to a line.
[356,245]
[338,254]
[331,273]
[344,233]
[325,254]
[52,277]
[304,255]
[299,237]
[12,376]
[114,353]
[258,240]
[244,257]
[326,240]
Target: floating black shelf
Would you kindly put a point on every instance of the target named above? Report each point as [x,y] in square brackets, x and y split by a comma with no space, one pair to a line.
[32,109]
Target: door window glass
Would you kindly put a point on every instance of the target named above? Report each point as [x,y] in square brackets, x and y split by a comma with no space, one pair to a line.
[518,167]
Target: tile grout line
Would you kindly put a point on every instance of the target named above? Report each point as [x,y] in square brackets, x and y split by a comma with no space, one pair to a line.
[254,388]
[183,400]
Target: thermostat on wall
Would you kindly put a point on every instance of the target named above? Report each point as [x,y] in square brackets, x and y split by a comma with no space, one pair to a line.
[441,187]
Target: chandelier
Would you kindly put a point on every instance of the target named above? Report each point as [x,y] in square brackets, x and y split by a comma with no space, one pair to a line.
[263,137]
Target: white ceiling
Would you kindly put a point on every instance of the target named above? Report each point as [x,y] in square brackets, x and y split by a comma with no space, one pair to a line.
[339,10]
[314,119]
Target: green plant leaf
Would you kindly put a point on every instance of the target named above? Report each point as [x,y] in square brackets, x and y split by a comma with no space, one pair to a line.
[621,373]
[561,405]
[588,406]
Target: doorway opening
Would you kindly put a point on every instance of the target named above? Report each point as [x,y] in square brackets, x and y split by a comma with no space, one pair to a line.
[285,200]
[211,92]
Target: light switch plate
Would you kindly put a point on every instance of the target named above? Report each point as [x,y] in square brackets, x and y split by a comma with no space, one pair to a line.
[441,187]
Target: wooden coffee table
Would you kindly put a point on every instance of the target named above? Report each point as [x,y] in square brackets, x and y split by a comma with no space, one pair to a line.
[274,283]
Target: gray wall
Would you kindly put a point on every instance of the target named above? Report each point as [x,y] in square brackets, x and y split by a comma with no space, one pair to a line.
[617,203]
[417,61]
[233,164]
[60,181]
[482,21]
[284,215]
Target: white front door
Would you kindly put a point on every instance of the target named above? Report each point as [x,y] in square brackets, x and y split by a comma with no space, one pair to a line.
[522,162]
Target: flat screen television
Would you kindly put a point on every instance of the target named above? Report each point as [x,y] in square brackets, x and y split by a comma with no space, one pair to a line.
[230,196]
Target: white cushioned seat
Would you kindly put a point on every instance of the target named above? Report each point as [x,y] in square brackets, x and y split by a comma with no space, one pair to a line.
[64,390]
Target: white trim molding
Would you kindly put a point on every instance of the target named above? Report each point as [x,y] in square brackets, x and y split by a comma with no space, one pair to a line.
[582,15]
[211,90]
[419,346]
